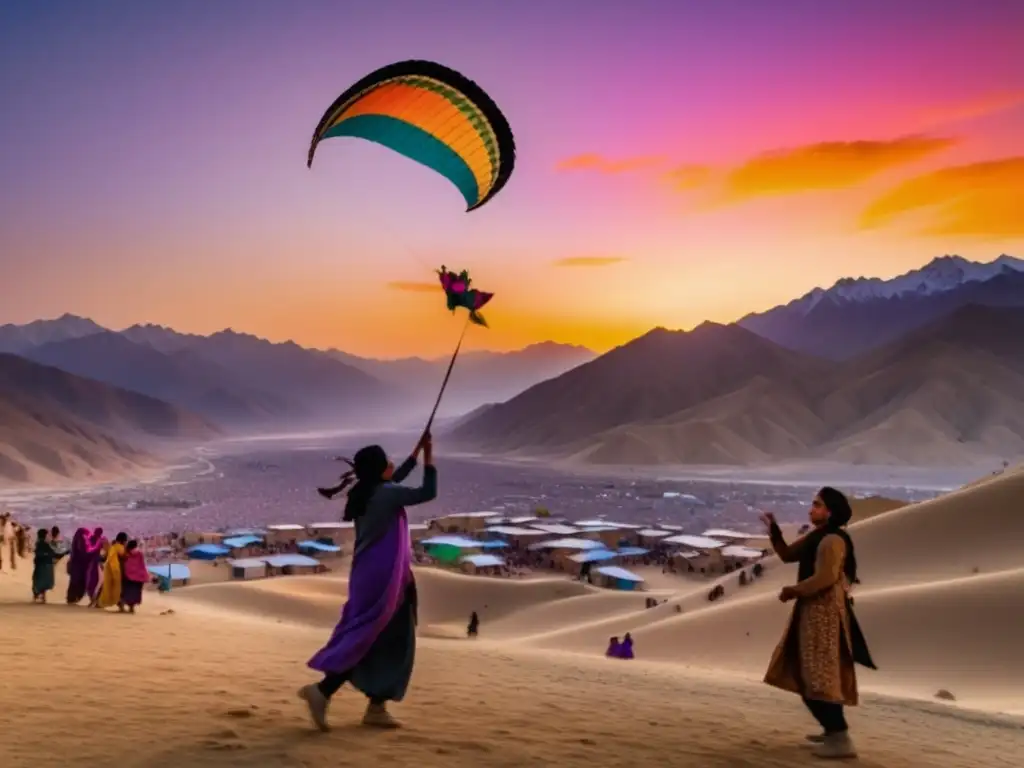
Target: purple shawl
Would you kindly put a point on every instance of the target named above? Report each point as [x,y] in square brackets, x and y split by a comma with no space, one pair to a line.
[93,549]
[78,566]
[376,588]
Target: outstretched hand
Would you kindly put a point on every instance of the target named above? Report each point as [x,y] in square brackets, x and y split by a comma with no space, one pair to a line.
[768,519]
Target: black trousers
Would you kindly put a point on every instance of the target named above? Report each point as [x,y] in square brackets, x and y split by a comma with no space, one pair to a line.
[333,682]
[829,714]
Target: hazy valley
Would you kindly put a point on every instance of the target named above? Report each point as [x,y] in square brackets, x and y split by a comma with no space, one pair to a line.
[935,378]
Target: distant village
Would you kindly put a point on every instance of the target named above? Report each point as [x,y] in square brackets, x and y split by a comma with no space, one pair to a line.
[602,552]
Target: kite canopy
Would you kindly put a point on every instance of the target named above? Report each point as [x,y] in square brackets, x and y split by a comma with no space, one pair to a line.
[433,115]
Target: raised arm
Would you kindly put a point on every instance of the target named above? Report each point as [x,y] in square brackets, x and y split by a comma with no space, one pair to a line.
[828,567]
[788,553]
[401,496]
[404,470]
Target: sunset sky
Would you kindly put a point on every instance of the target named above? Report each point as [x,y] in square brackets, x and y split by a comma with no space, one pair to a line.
[677,161]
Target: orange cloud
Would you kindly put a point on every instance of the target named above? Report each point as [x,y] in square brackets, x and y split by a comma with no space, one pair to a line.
[978,199]
[826,165]
[687,177]
[413,287]
[971,109]
[600,164]
[588,261]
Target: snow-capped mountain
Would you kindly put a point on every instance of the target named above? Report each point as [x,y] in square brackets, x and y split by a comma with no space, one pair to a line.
[944,273]
[858,314]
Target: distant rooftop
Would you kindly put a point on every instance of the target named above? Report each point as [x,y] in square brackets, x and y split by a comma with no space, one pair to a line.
[615,572]
[697,542]
[725,533]
[568,544]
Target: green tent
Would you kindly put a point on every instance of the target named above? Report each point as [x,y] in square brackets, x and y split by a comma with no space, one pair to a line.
[446,553]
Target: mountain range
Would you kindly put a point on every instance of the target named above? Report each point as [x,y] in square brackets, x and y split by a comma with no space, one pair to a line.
[859,314]
[937,379]
[56,426]
[926,368]
[250,384]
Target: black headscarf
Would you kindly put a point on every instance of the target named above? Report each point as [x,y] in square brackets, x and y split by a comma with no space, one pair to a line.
[839,514]
[368,466]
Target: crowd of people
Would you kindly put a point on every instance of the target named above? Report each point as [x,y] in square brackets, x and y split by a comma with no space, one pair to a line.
[109,573]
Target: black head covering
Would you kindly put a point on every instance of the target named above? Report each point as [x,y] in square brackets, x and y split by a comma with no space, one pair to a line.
[368,466]
[839,514]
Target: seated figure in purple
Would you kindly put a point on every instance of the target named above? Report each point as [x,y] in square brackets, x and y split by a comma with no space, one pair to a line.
[614,648]
[374,644]
[626,647]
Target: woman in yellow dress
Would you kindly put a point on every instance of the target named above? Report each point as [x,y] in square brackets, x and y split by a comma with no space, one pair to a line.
[110,594]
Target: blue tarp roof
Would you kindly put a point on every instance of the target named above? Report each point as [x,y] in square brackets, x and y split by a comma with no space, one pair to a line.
[632,551]
[452,541]
[248,562]
[594,556]
[283,561]
[245,532]
[493,544]
[615,572]
[176,571]
[207,551]
[484,561]
[317,546]
[240,542]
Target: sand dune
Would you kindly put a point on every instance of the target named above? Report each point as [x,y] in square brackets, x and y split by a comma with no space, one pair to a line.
[212,681]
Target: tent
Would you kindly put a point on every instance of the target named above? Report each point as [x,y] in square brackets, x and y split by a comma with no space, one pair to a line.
[483,561]
[207,551]
[317,546]
[632,551]
[622,578]
[169,573]
[594,556]
[248,568]
[448,549]
[242,541]
[580,544]
[291,561]
[493,544]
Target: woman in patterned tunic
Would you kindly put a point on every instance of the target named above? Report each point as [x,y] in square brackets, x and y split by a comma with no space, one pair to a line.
[815,657]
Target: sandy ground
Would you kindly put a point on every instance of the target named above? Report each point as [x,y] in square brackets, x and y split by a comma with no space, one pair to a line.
[206,676]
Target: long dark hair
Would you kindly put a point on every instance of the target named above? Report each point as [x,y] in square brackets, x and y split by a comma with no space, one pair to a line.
[839,515]
[368,467]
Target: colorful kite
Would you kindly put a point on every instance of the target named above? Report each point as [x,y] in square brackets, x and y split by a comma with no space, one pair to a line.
[457,290]
[433,115]
[459,294]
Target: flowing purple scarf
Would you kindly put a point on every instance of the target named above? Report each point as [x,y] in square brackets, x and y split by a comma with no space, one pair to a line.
[78,566]
[376,588]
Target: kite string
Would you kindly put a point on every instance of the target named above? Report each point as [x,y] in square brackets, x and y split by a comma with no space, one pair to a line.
[447,375]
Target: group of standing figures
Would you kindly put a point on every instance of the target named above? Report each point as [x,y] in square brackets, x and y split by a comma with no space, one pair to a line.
[108,573]
[373,645]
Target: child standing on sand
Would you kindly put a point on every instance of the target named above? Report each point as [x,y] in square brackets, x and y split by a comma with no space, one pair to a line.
[134,577]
